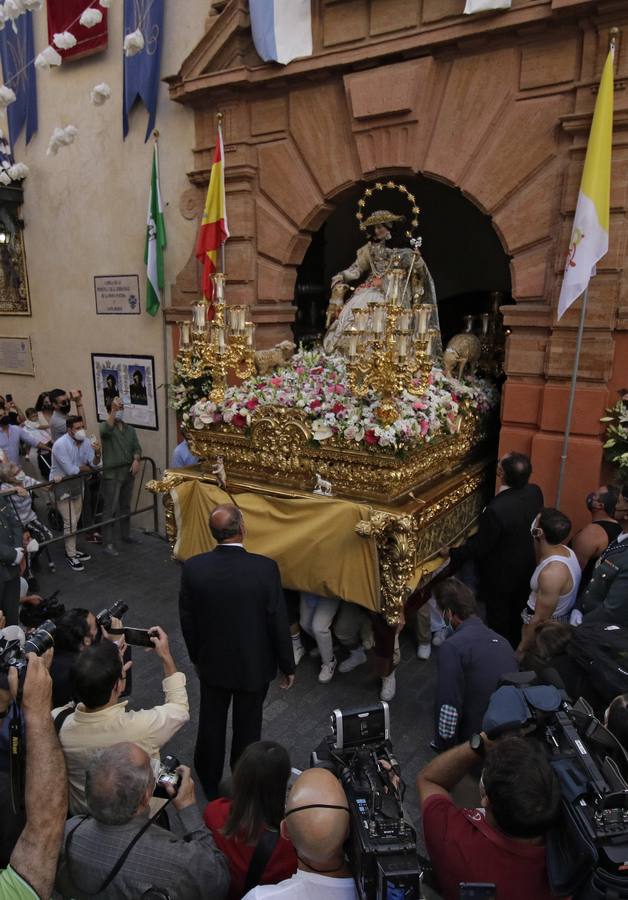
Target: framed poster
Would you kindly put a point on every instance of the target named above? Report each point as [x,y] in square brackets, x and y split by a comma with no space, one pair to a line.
[117,295]
[132,378]
[14,292]
[16,356]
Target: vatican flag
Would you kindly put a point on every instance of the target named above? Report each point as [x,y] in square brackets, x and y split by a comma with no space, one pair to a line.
[589,237]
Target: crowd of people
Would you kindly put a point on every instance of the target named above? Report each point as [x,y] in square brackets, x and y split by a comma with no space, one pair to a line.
[101,812]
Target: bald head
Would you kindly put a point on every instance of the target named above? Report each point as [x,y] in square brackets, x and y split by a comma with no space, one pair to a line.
[117,783]
[317,834]
[226,524]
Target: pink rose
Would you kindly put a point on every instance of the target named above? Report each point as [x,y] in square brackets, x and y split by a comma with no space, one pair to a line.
[276,381]
[252,403]
[425,427]
[239,421]
[418,405]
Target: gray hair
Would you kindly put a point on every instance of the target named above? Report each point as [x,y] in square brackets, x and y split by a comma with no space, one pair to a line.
[7,471]
[115,784]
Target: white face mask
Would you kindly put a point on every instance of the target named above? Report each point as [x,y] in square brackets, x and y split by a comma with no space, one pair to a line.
[119,416]
[20,476]
[79,435]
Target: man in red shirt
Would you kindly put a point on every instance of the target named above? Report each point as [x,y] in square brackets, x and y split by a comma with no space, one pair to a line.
[501,843]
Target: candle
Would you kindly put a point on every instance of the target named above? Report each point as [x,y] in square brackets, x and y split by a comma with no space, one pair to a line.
[250,333]
[404,320]
[424,311]
[221,340]
[219,287]
[353,342]
[199,316]
[185,334]
[402,346]
[378,320]
[484,323]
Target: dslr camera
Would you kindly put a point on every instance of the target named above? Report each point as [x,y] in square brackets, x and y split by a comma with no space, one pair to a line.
[115,611]
[11,654]
[382,843]
[168,775]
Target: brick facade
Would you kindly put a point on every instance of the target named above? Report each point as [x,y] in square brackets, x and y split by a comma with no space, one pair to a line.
[496,105]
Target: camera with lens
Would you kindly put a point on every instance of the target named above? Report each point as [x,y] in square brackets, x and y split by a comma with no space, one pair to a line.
[116,611]
[11,654]
[382,844]
[168,775]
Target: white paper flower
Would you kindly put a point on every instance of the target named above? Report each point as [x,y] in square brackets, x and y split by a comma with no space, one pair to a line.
[90,17]
[13,9]
[18,171]
[100,94]
[4,177]
[61,137]
[47,58]
[32,5]
[134,43]
[7,96]
[105,3]
[64,40]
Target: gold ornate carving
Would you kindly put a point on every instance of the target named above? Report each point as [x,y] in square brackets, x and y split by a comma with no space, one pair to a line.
[170,481]
[280,449]
[396,539]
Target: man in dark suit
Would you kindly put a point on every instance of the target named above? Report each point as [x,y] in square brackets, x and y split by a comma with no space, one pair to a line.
[235,625]
[503,547]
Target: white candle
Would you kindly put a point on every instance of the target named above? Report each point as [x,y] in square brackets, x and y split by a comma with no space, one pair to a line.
[378,320]
[185,334]
[484,323]
[221,339]
[250,332]
[402,346]
[424,311]
[353,342]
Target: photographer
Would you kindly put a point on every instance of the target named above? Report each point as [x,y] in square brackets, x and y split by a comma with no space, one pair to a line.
[98,679]
[317,823]
[34,859]
[119,785]
[503,842]
[76,631]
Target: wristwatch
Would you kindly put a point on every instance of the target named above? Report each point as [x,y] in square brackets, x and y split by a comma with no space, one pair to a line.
[477,744]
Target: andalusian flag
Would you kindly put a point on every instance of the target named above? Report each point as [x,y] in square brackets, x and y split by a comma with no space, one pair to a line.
[589,237]
[214,229]
[155,243]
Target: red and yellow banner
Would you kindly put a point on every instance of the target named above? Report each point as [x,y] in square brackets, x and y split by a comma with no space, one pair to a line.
[214,228]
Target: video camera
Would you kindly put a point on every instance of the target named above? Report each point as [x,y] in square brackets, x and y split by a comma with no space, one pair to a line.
[12,654]
[382,843]
[587,853]
[115,611]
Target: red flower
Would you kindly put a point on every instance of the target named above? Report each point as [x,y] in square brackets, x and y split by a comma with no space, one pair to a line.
[315,404]
[252,403]
[337,408]
[370,437]
[454,397]
[239,421]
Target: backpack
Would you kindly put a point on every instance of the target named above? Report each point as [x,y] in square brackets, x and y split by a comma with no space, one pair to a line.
[602,651]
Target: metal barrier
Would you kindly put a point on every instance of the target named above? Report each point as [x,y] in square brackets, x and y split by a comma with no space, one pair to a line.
[92,492]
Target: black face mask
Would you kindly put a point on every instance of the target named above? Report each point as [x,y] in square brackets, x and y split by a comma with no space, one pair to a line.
[65,407]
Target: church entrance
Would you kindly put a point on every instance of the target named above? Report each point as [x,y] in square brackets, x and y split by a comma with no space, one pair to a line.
[460,247]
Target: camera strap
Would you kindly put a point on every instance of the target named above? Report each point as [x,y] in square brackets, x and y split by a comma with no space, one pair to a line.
[264,849]
[121,860]
[16,760]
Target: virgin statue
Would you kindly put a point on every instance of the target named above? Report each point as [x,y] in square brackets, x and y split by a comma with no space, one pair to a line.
[371,271]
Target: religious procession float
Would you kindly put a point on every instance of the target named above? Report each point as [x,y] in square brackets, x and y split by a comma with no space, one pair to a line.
[355,460]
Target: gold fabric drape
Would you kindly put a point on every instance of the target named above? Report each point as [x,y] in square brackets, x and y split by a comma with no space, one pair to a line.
[312,540]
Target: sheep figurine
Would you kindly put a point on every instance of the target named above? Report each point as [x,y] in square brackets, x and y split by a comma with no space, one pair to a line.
[274,357]
[462,351]
[322,487]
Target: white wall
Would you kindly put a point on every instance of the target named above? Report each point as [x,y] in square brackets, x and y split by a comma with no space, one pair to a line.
[85,214]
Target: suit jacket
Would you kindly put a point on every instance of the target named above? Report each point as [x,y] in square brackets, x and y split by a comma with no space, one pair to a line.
[234,619]
[503,547]
[11,533]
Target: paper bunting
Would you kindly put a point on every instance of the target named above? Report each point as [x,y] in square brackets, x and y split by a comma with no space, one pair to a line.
[65,40]
[61,137]
[47,58]
[7,96]
[100,94]
[90,17]
[134,43]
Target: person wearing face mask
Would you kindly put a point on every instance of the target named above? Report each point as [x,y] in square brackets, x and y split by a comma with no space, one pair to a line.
[72,455]
[13,478]
[556,579]
[470,663]
[606,597]
[11,435]
[121,463]
[61,405]
[592,540]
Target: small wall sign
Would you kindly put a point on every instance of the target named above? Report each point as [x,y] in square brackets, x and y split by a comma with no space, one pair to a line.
[117,295]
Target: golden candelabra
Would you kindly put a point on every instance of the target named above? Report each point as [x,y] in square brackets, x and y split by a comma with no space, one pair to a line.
[389,348]
[215,346]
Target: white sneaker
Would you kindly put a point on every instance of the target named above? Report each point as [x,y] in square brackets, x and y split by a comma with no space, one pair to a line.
[299,652]
[327,671]
[389,687]
[424,651]
[356,658]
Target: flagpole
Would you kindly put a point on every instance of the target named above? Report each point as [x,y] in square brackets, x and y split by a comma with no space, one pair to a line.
[572,397]
[219,118]
[165,340]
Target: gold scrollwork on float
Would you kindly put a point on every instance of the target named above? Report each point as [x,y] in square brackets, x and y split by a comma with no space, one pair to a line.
[165,487]
[396,538]
[280,448]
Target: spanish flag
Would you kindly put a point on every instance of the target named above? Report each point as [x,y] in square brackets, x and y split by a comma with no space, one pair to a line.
[214,229]
[589,237]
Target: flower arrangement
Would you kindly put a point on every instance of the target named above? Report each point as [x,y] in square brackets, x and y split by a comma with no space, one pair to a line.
[316,384]
[184,391]
[616,436]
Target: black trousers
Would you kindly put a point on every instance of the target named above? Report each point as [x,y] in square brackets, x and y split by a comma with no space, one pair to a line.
[209,755]
[10,599]
[503,612]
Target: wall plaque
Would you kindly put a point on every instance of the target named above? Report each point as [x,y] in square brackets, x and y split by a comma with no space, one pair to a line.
[16,356]
[117,295]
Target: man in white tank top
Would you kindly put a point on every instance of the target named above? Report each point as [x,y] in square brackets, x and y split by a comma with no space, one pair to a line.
[555,581]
